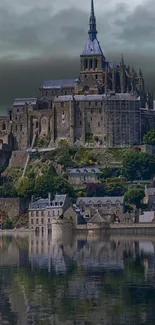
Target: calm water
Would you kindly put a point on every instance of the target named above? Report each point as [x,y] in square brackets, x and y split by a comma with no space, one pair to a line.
[77,280]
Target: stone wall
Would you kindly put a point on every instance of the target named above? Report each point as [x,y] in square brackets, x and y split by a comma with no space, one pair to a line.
[18,158]
[13,207]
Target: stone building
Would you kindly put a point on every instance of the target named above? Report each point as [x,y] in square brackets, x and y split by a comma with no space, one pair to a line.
[108,205]
[107,102]
[79,176]
[42,211]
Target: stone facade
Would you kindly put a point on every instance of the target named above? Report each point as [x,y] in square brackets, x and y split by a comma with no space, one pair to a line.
[13,207]
[107,103]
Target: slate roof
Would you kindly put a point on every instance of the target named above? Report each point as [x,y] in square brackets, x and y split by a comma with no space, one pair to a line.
[103,200]
[22,101]
[58,84]
[96,97]
[86,170]
[39,204]
[92,48]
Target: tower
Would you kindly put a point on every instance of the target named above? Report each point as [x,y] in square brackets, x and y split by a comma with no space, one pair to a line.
[92,57]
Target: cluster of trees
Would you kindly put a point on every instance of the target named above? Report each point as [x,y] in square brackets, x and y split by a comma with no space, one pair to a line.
[138,165]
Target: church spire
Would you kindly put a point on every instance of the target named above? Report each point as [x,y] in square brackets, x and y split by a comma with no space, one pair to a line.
[92,23]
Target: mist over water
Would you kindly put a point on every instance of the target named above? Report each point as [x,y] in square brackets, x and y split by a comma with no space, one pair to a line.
[83,279]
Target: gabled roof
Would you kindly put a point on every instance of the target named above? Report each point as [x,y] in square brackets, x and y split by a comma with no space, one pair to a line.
[92,48]
[58,84]
[22,101]
[58,201]
[86,170]
[104,199]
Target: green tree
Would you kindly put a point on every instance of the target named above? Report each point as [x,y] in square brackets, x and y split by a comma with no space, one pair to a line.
[138,165]
[25,186]
[149,137]
[44,184]
[134,196]
[115,189]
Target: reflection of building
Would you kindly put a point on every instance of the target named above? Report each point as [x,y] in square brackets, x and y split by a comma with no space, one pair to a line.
[78,176]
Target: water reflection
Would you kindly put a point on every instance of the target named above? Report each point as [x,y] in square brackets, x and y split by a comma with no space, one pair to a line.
[80,280]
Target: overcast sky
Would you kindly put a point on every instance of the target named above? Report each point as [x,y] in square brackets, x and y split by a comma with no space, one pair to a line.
[42,39]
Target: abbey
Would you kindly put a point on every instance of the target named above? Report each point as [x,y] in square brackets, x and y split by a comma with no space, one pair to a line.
[107,105]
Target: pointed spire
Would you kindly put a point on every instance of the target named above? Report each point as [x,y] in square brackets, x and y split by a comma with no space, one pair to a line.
[92,23]
[122,61]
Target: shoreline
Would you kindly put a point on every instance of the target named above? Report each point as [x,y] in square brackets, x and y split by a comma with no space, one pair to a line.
[113,229]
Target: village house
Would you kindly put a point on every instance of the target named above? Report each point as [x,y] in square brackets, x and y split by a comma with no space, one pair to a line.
[149,198]
[79,176]
[109,205]
[41,211]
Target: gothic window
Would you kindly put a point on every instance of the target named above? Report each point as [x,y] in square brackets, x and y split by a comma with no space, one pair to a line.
[10,117]
[96,65]
[90,64]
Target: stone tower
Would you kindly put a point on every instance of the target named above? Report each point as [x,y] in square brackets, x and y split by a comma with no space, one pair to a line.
[92,58]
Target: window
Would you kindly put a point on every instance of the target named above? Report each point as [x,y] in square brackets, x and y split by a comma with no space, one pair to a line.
[53,212]
[58,212]
[48,213]
[91,118]
[21,127]
[49,220]
[62,104]
[36,124]
[3,126]
[96,103]
[16,128]
[96,65]
[37,221]
[42,213]
[89,103]
[90,64]
[98,124]
[42,221]
[101,118]
[31,221]
[96,76]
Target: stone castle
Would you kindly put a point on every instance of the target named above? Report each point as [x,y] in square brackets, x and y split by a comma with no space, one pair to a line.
[106,105]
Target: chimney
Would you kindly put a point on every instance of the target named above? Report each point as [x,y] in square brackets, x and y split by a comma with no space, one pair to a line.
[49,198]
